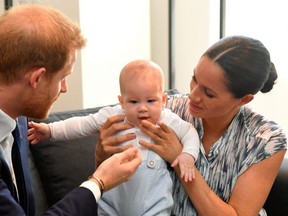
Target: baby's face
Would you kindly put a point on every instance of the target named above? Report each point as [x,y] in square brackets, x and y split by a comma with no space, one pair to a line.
[143,101]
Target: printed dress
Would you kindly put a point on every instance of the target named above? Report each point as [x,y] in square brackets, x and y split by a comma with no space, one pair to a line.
[248,140]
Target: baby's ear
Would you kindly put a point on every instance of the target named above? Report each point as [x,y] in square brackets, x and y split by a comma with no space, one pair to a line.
[164,98]
[120,99]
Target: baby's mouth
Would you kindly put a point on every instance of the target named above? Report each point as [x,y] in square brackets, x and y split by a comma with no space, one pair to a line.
[143,118]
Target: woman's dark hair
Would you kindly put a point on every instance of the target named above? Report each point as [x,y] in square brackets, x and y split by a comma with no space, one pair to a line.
[246,64]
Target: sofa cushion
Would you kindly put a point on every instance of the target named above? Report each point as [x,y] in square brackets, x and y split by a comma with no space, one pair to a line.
[64,165]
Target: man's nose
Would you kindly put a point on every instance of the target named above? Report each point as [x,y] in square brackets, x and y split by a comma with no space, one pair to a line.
[64,86]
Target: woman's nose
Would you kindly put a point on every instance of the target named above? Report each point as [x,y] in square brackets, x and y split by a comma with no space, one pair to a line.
[194,95]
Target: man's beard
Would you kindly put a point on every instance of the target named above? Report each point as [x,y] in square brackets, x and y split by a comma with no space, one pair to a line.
[38,108]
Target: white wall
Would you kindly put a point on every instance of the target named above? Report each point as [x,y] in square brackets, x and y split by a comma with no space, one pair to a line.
[117,32]
[274,105]
[271,31]
[194,32]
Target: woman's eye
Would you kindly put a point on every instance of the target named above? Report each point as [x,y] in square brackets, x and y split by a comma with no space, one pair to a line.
[209,94]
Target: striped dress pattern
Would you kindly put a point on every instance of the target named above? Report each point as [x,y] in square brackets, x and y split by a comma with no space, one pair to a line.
[249,139]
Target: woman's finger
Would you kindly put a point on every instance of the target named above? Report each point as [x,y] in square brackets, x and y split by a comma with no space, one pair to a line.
[158,149]
[151,130]
[113,119]
[111,126]
[116,149]
[164,127]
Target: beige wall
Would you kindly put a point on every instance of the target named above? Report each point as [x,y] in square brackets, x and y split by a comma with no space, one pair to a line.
[160,35]
[2,8]
[116,32]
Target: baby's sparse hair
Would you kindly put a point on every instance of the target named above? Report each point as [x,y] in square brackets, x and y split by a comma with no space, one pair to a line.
[141,69]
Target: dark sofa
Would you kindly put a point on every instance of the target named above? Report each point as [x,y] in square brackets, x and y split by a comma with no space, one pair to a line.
[58,167]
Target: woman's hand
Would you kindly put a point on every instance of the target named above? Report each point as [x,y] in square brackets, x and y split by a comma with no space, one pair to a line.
[166,144]
[108,143]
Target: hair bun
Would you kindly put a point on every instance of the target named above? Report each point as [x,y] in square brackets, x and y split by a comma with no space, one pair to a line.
[268,85]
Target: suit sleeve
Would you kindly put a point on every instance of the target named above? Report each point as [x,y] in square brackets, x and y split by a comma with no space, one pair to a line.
[8,205]
[80,202]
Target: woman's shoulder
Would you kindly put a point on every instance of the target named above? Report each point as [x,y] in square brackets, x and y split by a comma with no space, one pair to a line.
[259,125]
[259,137]
[265,131]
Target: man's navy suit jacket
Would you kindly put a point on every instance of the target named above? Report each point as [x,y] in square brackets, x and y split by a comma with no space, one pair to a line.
[78,202]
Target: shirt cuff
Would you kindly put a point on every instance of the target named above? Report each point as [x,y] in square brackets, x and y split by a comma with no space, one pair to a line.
[93,187]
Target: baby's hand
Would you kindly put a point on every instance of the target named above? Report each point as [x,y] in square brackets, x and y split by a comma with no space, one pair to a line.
[38,132]
[186,165]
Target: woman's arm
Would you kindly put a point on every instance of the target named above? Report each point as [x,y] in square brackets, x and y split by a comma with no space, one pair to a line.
[251,188]
[248,196]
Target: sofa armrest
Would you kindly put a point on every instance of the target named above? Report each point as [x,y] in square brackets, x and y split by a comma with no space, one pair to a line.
[276,203]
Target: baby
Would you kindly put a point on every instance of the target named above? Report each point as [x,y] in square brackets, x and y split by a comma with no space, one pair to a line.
[149,192]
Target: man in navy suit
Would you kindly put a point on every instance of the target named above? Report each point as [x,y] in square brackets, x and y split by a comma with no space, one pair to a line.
[38,47]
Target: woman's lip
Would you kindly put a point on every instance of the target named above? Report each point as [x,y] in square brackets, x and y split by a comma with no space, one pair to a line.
[195,107]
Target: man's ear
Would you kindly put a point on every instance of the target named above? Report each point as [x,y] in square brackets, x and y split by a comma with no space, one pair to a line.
[35,76]
[120,99]
[246,99]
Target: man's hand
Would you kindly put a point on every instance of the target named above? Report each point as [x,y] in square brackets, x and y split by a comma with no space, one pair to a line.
[118,168]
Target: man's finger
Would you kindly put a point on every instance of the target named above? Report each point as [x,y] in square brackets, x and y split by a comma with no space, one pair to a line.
[127,155]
